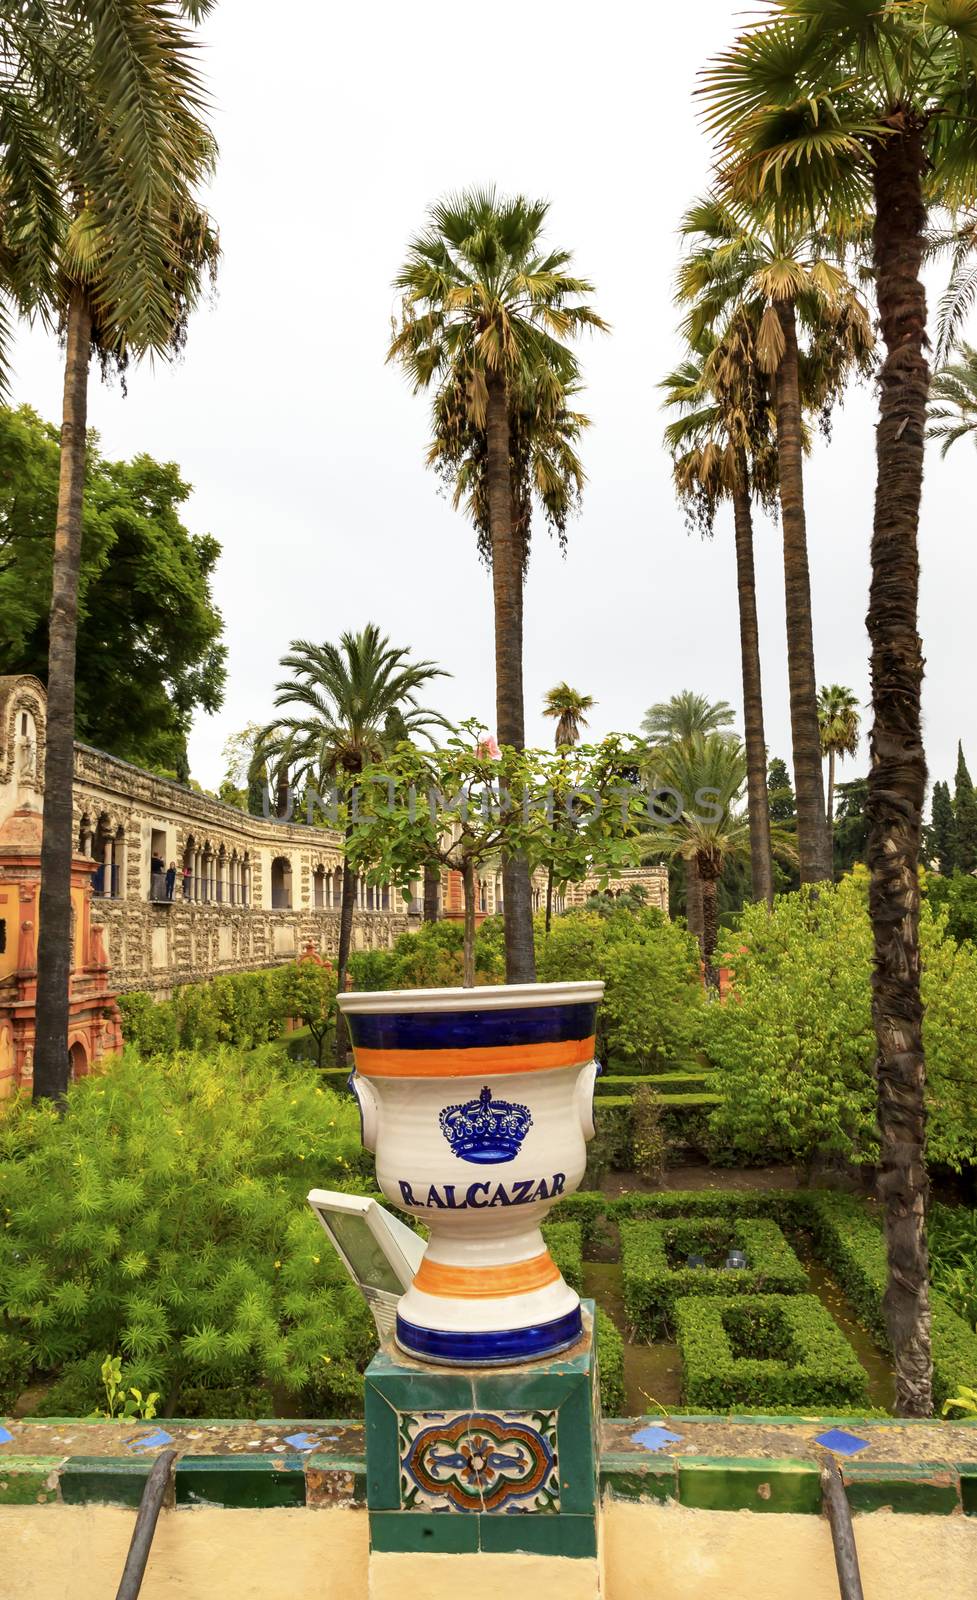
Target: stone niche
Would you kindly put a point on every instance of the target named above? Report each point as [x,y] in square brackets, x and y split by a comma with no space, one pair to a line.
[284,941]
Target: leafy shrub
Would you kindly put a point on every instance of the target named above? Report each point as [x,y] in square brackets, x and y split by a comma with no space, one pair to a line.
[953,1257]
[430,957]
[163,1217]
[563,1241]
[15,1362]
[957,897]
[653,1000]
[795,1044]
[656,1274]
[610,1365]
[766,1352]
[669,1083]
[649,1138]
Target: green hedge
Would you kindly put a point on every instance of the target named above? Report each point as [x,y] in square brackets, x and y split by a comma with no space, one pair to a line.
[610,1365]
[852,1245]
[565,1244]
[666,1083]
[652,1284]
[686,1119]
[802,1360]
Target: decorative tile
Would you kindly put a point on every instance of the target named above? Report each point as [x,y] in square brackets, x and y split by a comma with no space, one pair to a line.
[479,1461]
[841,1443]
[656,1438]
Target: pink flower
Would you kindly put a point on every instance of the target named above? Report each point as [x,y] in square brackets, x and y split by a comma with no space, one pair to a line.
[489,749]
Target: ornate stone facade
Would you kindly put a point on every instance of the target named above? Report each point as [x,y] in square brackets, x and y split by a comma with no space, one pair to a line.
[244,892]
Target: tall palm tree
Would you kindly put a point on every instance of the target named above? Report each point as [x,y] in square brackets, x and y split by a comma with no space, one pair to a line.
[839,721]
[708,772]
[721,450]
[129,248]
[678,721]
[953,407]
[568,708]
[336,720]
[838,104]
[486,312]
[812,330]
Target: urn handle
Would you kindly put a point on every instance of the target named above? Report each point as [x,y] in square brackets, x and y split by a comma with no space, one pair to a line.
[369,1110]
[586,1084]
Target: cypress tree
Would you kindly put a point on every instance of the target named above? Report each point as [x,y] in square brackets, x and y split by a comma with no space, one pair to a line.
[965,812]
[941,838]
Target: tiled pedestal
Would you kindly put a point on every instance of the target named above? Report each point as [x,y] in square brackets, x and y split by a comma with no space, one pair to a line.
[484,1461]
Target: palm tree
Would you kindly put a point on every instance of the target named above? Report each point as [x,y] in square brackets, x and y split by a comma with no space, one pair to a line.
[568,708]
[486,311]
[337,720]
[686,714]
[710,831]
[839,721]
[835,104]
[721,450]
[953,409]
[128,251]
[678,721]
[759,268]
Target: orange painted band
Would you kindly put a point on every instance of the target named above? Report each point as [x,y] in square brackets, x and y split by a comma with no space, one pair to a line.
[484,1283]
[478,1062]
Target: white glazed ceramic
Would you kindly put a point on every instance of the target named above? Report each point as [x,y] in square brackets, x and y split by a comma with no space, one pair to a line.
[478,1104]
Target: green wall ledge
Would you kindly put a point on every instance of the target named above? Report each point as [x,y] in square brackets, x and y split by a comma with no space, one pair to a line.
[761,1464]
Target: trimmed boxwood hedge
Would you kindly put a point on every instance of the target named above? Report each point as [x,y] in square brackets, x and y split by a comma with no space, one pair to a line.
[851,1243]
[803,1361]
[564,1241]
[610,1365]
[652,1284]
[686,1119]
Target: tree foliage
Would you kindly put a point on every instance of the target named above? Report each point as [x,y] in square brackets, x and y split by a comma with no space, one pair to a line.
[795,1041]
[149,635]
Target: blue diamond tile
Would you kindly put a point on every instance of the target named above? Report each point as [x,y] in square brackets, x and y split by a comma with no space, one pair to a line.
[842,1443]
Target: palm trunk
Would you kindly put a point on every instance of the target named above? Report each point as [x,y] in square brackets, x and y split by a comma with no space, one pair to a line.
[54,933]
[469,888]
[710,925]
[805,734]
[693,903]
[830,809]
[346,910]
[549,896]
[897,774]
[761,863]
[432,883]
[520,964]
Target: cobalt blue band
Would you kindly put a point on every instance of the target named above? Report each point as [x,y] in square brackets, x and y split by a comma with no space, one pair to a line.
[417,1030]
[491,1349]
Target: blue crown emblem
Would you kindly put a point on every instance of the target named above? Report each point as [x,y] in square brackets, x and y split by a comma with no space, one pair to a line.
[486,1130]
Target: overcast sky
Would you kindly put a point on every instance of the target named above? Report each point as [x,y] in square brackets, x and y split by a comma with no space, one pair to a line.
[338,126]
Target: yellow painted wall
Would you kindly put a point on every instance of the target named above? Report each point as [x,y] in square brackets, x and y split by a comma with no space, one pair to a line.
[9,903]
[651,1553]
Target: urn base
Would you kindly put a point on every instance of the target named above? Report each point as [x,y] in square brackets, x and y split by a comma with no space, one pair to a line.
[506,1347]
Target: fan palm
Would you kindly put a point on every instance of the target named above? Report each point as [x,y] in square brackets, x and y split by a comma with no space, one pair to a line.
[844,106]
[567,707]
[127,247]
[953,407]
[760,271]
[338,705]
[839,721]
[486,312]
[675,721]
[721,450]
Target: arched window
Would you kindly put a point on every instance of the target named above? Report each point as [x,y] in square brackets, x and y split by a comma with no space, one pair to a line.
[281,884]
[319,888]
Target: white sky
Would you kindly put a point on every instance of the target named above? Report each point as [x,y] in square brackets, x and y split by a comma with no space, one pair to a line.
[337,127]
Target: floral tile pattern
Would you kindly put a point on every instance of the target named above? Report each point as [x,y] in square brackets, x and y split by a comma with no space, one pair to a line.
[480,1461]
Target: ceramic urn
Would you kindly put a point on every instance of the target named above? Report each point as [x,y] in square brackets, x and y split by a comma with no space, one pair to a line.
[478,1105]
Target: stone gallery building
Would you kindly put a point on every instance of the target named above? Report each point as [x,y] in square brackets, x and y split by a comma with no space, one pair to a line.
[172,886]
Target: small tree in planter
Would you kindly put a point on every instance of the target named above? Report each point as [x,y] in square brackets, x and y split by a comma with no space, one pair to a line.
[454,807]
[307,989]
